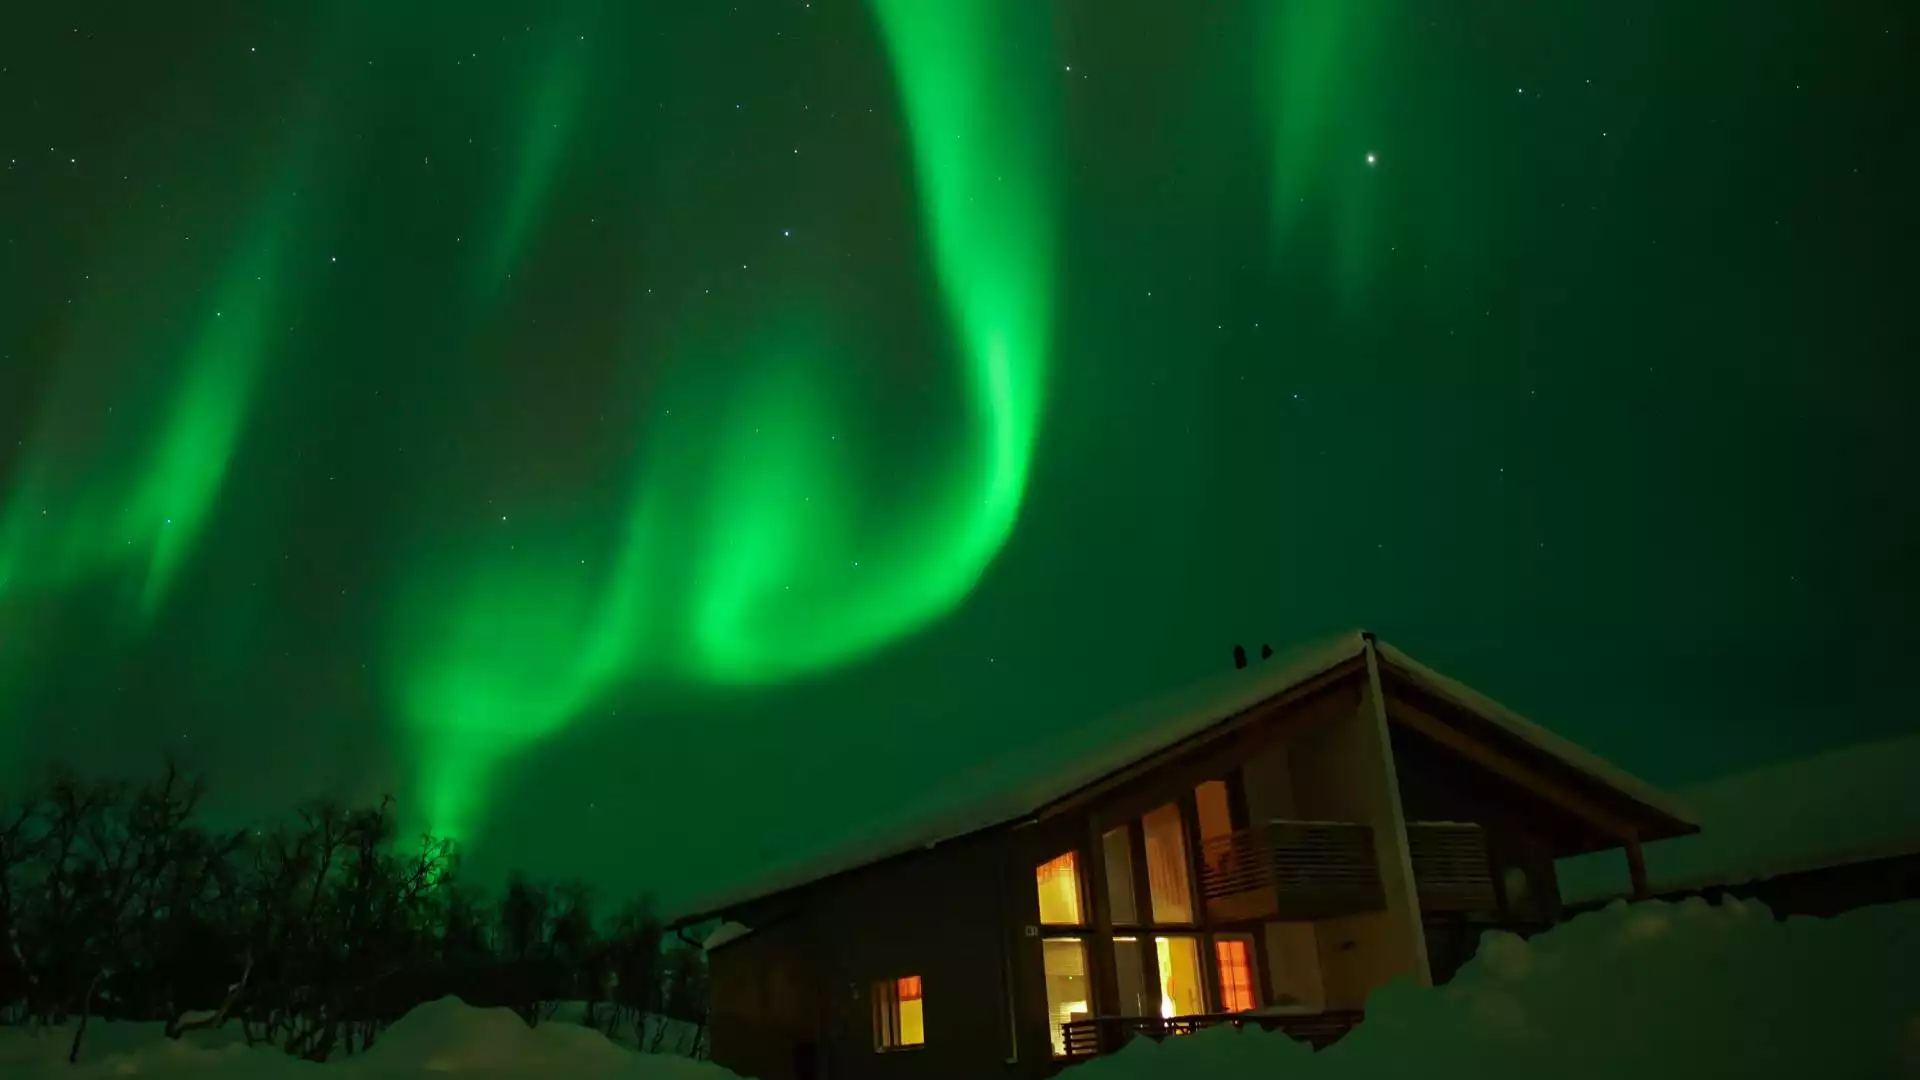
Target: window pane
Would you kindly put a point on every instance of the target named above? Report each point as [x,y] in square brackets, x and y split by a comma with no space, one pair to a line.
[1234,958]
[1181,992]
[1216,817]
[1116,847]
[1068,994]
[1216,825]
[1059,883]
[1167,866]
[913,1030]
[1130,975]
[899,1016]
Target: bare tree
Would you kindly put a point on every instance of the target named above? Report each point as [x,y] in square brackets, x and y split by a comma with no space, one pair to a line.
[312,934]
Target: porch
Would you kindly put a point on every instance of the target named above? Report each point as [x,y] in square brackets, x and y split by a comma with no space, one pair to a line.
[1093,1036]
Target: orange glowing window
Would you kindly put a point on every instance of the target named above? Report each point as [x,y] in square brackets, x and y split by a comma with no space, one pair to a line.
[1235,961]
[1058,883]
[899,1014]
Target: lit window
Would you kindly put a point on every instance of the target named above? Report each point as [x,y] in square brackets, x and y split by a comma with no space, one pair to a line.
[1234,957]
[1130,979]
[1068,991]
[1058,881]
[1167,866]
[899,1017]
[1181,985]
[1117,852]
[1214,809]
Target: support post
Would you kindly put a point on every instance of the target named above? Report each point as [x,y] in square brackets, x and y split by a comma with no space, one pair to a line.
[1100,963]
[1637,867]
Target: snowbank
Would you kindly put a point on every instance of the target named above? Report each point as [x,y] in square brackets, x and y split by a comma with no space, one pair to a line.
[440,1038]
[1640,992]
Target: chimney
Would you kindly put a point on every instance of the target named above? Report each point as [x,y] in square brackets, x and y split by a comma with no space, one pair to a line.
[1266,652]
[1239,657]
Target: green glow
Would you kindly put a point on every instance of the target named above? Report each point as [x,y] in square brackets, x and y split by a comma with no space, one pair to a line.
[551,113]
[792,588]
[1325,62]
[752,551]
[98,494]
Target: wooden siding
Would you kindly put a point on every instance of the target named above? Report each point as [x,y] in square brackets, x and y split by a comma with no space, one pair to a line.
[937,914]
[766,996]
[1521,833]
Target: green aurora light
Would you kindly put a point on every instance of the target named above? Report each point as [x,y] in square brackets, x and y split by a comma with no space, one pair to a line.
[758,559]
[552,109]
[1316,86]
[84,507]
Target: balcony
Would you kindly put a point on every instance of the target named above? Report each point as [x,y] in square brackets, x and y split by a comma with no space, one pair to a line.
[1293,870]
[1451,869]
[1105,1034]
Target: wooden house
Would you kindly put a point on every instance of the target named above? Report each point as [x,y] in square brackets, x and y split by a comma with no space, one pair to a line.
[1267,848]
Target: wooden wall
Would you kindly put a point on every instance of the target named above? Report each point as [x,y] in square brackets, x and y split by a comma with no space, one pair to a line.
[765,991]
[937,914]
[1523,833]
[1342,772]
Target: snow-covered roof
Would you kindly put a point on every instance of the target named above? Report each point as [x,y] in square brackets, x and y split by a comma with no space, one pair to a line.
[1836,807]
[724,934]
[1577,757]
[1057,764]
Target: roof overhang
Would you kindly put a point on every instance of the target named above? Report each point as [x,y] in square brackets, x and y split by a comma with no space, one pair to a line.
[1615,807]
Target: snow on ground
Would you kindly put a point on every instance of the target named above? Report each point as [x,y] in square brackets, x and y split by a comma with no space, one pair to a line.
[660,1035]
[1634,992]
[445,1037]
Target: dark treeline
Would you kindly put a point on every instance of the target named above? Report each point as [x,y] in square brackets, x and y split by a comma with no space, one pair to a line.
[312,934]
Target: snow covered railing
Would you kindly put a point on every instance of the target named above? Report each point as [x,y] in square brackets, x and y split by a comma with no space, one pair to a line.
[1291,870]
[1106,1034]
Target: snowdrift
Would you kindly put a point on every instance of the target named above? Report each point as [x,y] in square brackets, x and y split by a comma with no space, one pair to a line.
[441,1038]
[1634,992]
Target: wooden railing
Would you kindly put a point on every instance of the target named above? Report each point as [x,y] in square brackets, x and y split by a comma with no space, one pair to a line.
[1105,1034]
[1291,870]
[1451,869]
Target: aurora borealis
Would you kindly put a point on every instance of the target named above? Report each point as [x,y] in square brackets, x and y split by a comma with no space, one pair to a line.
[574,417]
[779,569]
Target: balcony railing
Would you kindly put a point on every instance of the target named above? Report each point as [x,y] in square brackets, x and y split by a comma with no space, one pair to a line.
[1105,1034]
[1299,870]
[1451,869]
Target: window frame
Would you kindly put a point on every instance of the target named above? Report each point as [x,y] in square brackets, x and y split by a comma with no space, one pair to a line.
[1087,942]
[1083,933]
[1189,870]
[1246,939]
[1202,947]
[1099,930]
[1081,900]
[888,1019]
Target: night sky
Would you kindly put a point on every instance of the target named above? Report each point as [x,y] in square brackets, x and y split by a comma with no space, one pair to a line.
[649,439]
